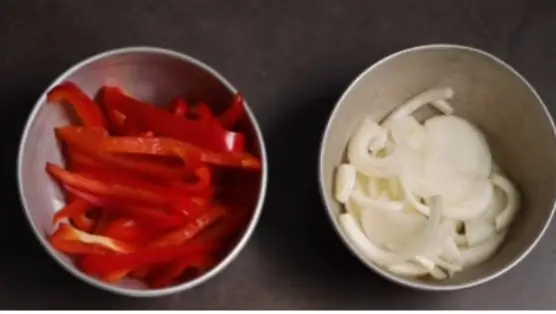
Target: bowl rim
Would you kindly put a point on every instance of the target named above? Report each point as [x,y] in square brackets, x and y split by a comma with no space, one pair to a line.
[241,243]
[334,220]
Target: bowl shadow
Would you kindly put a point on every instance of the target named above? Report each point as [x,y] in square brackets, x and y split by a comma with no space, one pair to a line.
[295,235]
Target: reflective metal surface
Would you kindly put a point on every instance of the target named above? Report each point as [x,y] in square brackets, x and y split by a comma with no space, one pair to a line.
[490,94]
[150,74]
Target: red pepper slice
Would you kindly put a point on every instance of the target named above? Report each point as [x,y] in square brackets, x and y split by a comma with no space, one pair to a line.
[167,274]
[114,267]
[171,148]
[127,229]
[74,208]
[202,112]
[149,217]
[179,107]
[156,146]
[68,239]
[234,113]
[116,187]
[89,113]
[88,140]
[201,188]
[187,232]
[207,135]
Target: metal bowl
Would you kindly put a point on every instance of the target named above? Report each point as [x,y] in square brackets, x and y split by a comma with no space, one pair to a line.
[151,74]
[490,94]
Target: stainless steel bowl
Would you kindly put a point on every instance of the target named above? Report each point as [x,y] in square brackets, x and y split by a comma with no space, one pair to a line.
[151,74]
[489,93]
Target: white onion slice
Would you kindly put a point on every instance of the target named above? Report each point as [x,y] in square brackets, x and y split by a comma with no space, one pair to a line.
[474,206]
[366,247]
[415,103]
[479,253]
[359,156]
[443,106]
[509,212]
[408,269]
[346,177]
[379,142]
[366,202]
[373,188]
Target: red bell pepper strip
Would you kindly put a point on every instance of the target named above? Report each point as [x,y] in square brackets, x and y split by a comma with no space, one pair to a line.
[117,187]
[234,113]
[127,229]
[74,208]
[202,113]
[88,140]
[179,107]
[173,148]
[167,274]
[82,222]
[148,217]
[156,146]
[89,112]
[203,186]
[70,240]
[207,135]
[187,232]
[115,266]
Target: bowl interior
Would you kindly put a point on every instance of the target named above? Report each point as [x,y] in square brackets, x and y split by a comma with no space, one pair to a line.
[149,75]
[489,94]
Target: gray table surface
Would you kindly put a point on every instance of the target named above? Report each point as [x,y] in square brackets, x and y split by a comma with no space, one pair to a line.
[292,59]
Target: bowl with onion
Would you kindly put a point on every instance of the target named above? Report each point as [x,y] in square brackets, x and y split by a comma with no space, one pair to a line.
[438,167]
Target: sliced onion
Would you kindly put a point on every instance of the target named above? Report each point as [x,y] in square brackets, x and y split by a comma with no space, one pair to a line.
[415,103]
[477,254]
[452,139]
[346,176]
[373,187]
[408,131]
[509,212]
[366,202]
[391,229]
[443,106]
[409,269]
[366,247]
[475,205]
[379,142]
[365,162]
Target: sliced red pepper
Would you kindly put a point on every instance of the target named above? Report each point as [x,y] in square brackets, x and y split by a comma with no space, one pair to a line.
[74,208]
[179,107]
[127,229]
[167,274]
[156,146]
[187,232]
[234,113]
[202,112]
[207,135]
[88,140]
[73,241]
[202,187]
[117,187]
[116,266]
[149,217]
[173,148]
[87,110]
[82,222]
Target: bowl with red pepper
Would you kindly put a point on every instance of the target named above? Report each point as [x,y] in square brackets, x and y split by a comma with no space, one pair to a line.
[142,171]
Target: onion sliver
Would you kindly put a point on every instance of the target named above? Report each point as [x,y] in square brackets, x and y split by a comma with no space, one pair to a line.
[422,242]
[359,155]
[443,106]
[509,212]
[366,202]
[366,247]
[391,229]
[415,103]
[453,139]
[346,177]
[479,253]
[474,206]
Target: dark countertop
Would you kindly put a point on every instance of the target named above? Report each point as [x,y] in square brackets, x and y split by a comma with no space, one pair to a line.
[292,59]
